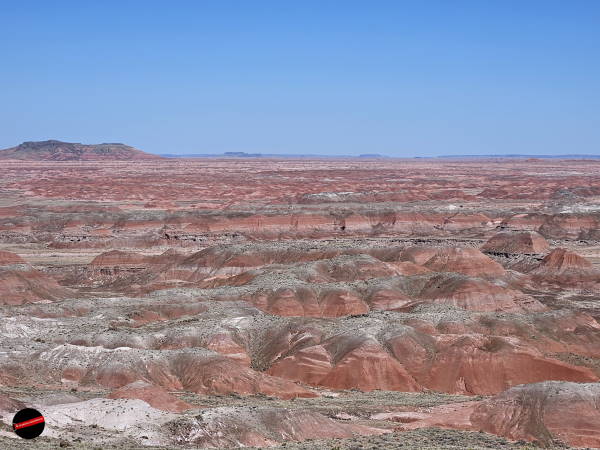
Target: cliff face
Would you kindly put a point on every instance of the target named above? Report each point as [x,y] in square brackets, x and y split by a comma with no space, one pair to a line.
[67,151]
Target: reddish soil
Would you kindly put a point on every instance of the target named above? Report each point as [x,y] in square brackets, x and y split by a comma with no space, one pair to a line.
[266,302]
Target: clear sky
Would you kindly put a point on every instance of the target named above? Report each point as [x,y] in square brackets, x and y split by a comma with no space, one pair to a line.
[400,78]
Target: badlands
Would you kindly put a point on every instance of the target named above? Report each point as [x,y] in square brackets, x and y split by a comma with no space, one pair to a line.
[300,303]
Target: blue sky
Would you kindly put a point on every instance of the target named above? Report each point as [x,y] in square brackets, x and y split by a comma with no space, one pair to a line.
[418,78]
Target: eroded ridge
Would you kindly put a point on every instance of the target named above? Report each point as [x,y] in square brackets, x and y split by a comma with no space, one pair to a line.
[228,302]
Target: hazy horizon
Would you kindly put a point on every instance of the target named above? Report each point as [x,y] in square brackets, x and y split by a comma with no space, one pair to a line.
[343,78]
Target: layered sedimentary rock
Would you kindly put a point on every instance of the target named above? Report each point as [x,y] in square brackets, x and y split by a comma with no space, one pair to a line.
[10,405]
[8,258]
[263,427]
[525,242]
[256,302]
[66,151]
[476,294]
[343,362]
[570,225]
[468,261]
[476,358]
[21,283]
[195,371]
[563,262]
[306,301]
[155,396]
[565,267]
[545,414]
[542,412]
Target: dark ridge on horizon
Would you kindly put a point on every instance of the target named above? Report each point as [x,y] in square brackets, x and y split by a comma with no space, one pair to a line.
[54,150]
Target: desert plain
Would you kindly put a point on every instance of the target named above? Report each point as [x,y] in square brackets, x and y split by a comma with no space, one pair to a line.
[301,303]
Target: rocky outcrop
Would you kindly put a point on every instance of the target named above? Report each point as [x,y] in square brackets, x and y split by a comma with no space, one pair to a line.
[10,405]
[543,412]
[9,258]
[66,151]
[306,301]
[476,364]
[556,226]
[468,261]
[260,427]
[546,413]
[199,371]
[563,262]
[524,242]
[475,294]
[409,360]
[20,283]
[155,396]
[344,362]
[565,267]
[120,258]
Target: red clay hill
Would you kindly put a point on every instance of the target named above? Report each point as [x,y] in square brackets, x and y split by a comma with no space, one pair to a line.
[67,151]
[258,302]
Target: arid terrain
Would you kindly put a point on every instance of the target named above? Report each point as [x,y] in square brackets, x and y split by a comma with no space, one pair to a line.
[301,303]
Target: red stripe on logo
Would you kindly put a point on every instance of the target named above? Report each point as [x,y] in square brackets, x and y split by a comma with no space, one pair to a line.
[28,423]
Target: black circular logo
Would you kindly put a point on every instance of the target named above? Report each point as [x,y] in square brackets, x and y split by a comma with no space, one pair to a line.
[28,423]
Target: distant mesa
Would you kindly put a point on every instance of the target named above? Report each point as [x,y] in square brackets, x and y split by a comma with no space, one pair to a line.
[371,155]
[242,155]
[68,151]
